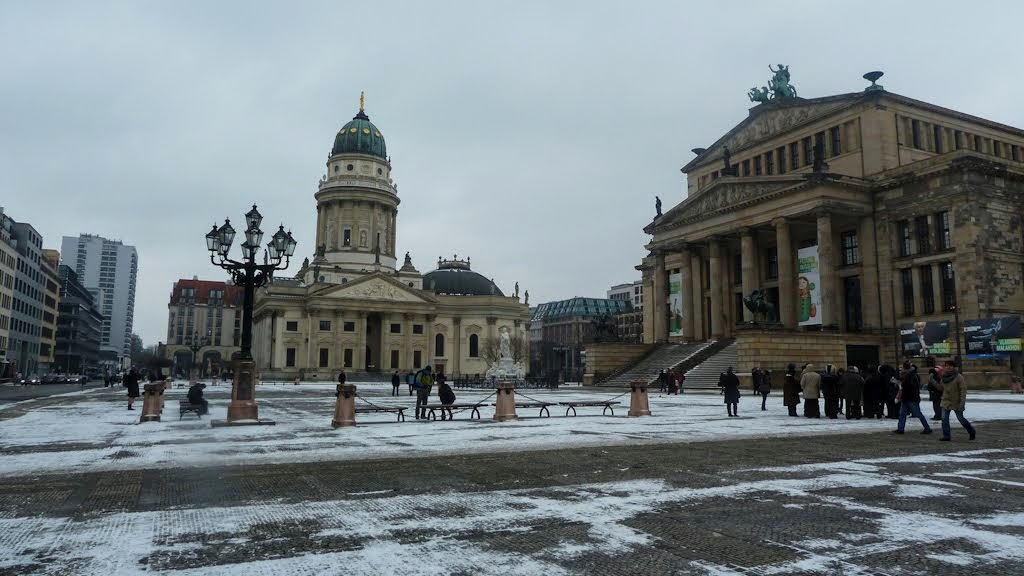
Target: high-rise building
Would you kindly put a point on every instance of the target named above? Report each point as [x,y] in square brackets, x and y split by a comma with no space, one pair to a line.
[79,325]
[8,268]
[208,314]
[51,296]
[108,269]
[27,296]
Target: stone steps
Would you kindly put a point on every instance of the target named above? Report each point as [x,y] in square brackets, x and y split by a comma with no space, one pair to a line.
[661,358]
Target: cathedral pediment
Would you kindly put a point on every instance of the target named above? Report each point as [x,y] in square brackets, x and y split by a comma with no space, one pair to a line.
[772,118]
[377,287]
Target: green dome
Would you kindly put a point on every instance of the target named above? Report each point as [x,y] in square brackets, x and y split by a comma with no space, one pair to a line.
[454,278]
[360,136]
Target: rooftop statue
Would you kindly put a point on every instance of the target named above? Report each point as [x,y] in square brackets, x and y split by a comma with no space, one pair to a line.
[778,87]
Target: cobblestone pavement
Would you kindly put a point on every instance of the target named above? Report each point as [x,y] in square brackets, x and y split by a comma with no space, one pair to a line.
[850,504]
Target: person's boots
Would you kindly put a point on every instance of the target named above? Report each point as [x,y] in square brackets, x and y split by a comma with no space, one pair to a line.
[736,410]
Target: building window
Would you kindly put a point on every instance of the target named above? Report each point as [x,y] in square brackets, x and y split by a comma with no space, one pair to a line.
[958,139]
[781,153]
[851,248]
[757,166]
[945,238]
[794,155]
[325,325]
[396,328]
[771,259]
[346,237]
[394,358]
[746,167]
[907,284]
[417,358]
[915,134]
[927,289]
[1015,153]
[997,148]
[937,136]
[289,357]
[474,346]
[923,233]
[977,143]
[769,163]
[735,170]
[439,345]
[836,144]
[291,326]
[348,357]
[417,328]
[948,286]
[808,151]
[325,356]
[903,234]
[714,175]
[349,326]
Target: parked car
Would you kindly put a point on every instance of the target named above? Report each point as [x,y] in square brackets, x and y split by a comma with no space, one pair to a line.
[25,381]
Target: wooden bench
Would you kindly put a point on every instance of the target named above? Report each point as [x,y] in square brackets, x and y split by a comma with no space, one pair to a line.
[184,406]
[399,410]
[571,406]
[544,413]
[433,409]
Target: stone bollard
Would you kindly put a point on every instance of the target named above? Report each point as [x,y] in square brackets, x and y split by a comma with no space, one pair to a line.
[638,405]
[505,406]
[151,396]
[345,407]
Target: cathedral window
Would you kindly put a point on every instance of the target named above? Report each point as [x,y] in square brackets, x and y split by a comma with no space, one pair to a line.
[417,357]
[438,345]
[350,326]
[347,237]
[350,167]
[348,357]
[291,326]
[325,356]
[474,346]
[417,328]
[325,325]
[289,357]
[394,358]
[396,328]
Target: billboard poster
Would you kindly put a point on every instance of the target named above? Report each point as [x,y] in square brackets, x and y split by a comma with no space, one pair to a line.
[991,337]
[675,305]
[926,339]
[808,286]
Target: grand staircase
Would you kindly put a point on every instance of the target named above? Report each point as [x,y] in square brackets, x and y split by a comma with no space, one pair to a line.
[661,358]
[705,375]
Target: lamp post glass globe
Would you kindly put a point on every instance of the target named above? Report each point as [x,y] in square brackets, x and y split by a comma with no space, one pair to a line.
[289,250]
[227,236]
[213,239]
[253,218]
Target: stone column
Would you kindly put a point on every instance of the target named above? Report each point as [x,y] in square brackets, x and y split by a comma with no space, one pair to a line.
[659,296]
[787,274]
[456,354]
[429,352]
[748,257]
[686,293]
[827,269]
[698,297]
[407,340]
[715,264]
[359,362]
[869,300]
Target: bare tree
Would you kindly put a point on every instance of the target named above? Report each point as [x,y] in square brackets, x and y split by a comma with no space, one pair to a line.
[490,349]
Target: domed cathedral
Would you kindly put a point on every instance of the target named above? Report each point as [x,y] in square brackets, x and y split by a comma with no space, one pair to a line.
[351,307]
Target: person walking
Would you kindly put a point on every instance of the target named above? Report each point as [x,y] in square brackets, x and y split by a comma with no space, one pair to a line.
[131,382]
[672,381]
[810,385]
[680,378]
[731,388]
[791,390]
[423,381]
[954,399]
[662,381]
[764,387]
[935,391]
[853,391]
[830,390]
[910,399]
[396,381]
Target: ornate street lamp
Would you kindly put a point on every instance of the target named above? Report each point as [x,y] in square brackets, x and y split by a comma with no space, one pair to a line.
[250,275]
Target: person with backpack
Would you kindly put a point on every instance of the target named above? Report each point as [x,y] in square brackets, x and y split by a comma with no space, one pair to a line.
[423,381]
[910,399]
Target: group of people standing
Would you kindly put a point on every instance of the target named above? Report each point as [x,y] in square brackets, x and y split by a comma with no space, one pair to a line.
[883,392]
[671,381]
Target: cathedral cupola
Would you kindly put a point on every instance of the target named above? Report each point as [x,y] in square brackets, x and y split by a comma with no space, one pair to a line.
[360,136]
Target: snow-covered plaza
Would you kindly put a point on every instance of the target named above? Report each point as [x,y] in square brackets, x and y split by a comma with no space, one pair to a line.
[85,489]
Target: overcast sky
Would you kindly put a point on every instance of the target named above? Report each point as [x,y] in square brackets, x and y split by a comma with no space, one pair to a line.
[530,136]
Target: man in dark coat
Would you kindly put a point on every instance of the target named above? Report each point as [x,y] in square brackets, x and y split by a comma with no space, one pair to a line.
[853,391]
[791,390]
[395,382]
[342,377]
[131,382]
[910,399]
[195,397]
[892,388]
[444,391]
[830,390]
[662,381]
[731,388]
[935,391]
[874,393]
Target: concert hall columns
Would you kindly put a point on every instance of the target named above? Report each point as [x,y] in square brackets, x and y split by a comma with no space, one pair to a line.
[660,299]
[787,273]
[827,270]
[716,271]
[748,268]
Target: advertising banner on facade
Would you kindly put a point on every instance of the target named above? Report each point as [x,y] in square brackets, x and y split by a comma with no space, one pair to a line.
[990,337]
[926,339]
[808,286]
[675,305]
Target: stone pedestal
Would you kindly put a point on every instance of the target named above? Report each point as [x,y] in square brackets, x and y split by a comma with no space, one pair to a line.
[243,392]
[638,405]
[345,407]
[505,405]
[151,399]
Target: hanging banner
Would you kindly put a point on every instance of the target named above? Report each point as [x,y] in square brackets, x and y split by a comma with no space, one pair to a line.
[808,287]
[991,337]
[675,305]
[926,339]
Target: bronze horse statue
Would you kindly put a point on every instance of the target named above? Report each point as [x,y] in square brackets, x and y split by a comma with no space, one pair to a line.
[758,303]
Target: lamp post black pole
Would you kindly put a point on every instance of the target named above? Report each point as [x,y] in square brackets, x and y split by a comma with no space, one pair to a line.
[250,275]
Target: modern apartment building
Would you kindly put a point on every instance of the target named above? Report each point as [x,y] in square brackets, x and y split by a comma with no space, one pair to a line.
[79,325]
[27,297]
[108,269]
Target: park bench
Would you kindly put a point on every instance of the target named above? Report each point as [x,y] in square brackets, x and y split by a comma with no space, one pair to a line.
[572,406]
[399,410]
[433,409]
[544,413]
[184,406]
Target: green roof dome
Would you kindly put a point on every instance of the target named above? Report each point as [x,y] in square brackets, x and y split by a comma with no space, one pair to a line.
[360,136]
[454,278]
